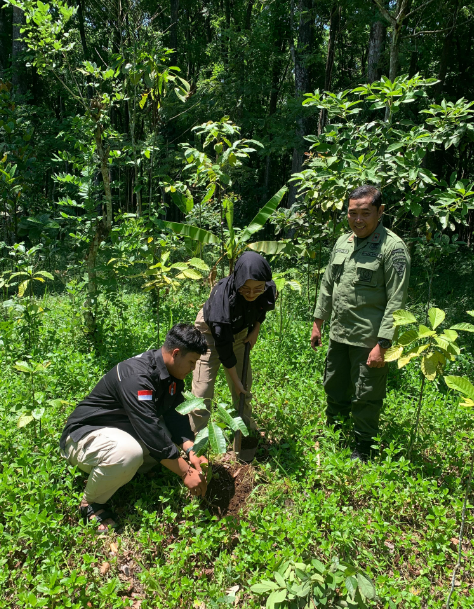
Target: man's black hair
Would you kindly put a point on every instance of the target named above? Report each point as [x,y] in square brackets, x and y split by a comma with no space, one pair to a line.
[367,191]
[187,338]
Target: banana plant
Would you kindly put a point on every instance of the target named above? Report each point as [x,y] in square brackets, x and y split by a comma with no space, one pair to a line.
[435,348]
[159,276]
[237,241]
[282,283]
[223,419]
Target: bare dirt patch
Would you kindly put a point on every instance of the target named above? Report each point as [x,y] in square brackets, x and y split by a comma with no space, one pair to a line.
[229,488]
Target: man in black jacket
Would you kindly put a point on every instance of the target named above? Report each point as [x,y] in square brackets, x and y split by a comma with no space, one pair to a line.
[129,423]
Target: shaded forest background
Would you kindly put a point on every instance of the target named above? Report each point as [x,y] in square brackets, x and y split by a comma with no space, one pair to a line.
[249,60]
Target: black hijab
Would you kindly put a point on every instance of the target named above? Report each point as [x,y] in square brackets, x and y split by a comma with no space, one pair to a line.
[224,296]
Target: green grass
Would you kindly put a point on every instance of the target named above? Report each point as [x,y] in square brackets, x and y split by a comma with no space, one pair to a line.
[394,518]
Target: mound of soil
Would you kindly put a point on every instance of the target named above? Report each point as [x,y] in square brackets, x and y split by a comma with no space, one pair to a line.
[228,490]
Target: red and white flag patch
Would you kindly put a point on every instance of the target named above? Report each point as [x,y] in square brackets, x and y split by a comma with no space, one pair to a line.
[144,394]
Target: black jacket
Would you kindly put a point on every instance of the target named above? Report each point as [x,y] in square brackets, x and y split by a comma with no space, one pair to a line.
[132,397]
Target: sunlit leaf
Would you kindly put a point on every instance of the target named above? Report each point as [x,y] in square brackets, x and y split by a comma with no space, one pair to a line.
[451,334]
[217,438]
[201,441]
[464,327]
[24,419]
[262,216]
[190,405]
[408,337]
[264,586]
[267,247]
[366,587]
[23,367]
[461,384]
[436,317]
[402,318]
[393,353]
[425,332]
[193,232]
[409,355]
[429,364]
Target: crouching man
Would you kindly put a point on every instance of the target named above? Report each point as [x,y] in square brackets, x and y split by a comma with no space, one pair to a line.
[129,423]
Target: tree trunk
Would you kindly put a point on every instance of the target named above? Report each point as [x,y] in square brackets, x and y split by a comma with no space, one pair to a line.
[18,47]
[302,84]
[378,32]
[335,21]
[174,31]
[5,37]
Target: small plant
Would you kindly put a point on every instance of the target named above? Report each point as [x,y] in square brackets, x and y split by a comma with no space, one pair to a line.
[36,412]
[337,584]
[213,435]
[282,283]
[435,349]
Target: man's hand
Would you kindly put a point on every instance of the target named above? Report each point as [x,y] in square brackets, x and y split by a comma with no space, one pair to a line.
[239,388]
[196,461]
[316,334]
[195,482]
[376,357]
[252,336]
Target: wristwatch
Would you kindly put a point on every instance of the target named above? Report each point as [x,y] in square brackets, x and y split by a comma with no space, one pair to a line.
[188,450]
[384,343]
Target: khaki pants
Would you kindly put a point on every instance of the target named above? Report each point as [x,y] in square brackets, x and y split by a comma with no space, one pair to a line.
[205,374]
[111,457]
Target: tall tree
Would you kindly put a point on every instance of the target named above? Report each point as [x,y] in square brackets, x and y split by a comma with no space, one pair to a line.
[378,32]
[18,49]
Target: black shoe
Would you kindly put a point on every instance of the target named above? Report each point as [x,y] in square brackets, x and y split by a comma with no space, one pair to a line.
[363,451]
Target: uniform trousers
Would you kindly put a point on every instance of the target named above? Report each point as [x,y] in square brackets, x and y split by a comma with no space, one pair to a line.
[111,457]
[205,375]
[354,388]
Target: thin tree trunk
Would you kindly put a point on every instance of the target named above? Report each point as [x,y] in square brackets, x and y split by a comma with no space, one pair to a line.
[302,83]
[18,47]
[335,21]
[174,31]
[378,32]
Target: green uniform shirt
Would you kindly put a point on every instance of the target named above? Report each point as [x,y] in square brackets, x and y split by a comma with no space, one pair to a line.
[366,280]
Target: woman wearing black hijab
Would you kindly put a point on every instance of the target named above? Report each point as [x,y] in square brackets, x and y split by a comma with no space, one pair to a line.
[231,317]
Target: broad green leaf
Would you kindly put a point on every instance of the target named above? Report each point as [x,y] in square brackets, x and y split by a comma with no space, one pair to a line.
[262,216]
[351,585]
[451,335]
[22,287]
[453,348]
[181,266]
[464,327]
[429,365]
[270,248]
[263,587]
[279,580]
[467,404]
[278,596]
[442,342]
[56,403]
[402,318]
[193,232]
[38,413]
[199,264]
[192,274]
[393,353]
[366,587]
[294,285]
[24,419]
[436,317]
[409,355]
[201,441]
[190,405]
[408,337]
[461,384]
[23,367]
[425,332]
[209,193]
[217,438]
[471,313]
[45,274]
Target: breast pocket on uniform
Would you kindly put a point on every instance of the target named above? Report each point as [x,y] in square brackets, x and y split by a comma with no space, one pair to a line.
[367,273]
[337,266]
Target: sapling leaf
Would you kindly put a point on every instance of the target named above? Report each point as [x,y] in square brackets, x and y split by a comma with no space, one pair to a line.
[217,438]
[425,332]
[451,335]
[351,585]
[24,419]
[463,327]
[461,384]
[409,355]
[279,580]
[468,403]
[366,587]
[436,317]
[199,264]
[408,337]
[263,587]
[38,413]
[442,342]
[23,367]
[402,318]
[393,353]
[192,403]
[278,596]
[201,441]
[429,365]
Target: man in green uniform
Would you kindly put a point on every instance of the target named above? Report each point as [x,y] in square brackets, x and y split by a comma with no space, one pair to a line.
[366,280]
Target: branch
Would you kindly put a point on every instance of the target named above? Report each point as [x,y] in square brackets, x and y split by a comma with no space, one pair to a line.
[418,8]
[384,12]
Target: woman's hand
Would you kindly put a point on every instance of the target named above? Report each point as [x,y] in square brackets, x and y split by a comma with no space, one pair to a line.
[252,337]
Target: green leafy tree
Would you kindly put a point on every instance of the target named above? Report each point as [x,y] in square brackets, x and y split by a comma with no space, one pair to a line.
[434,348]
